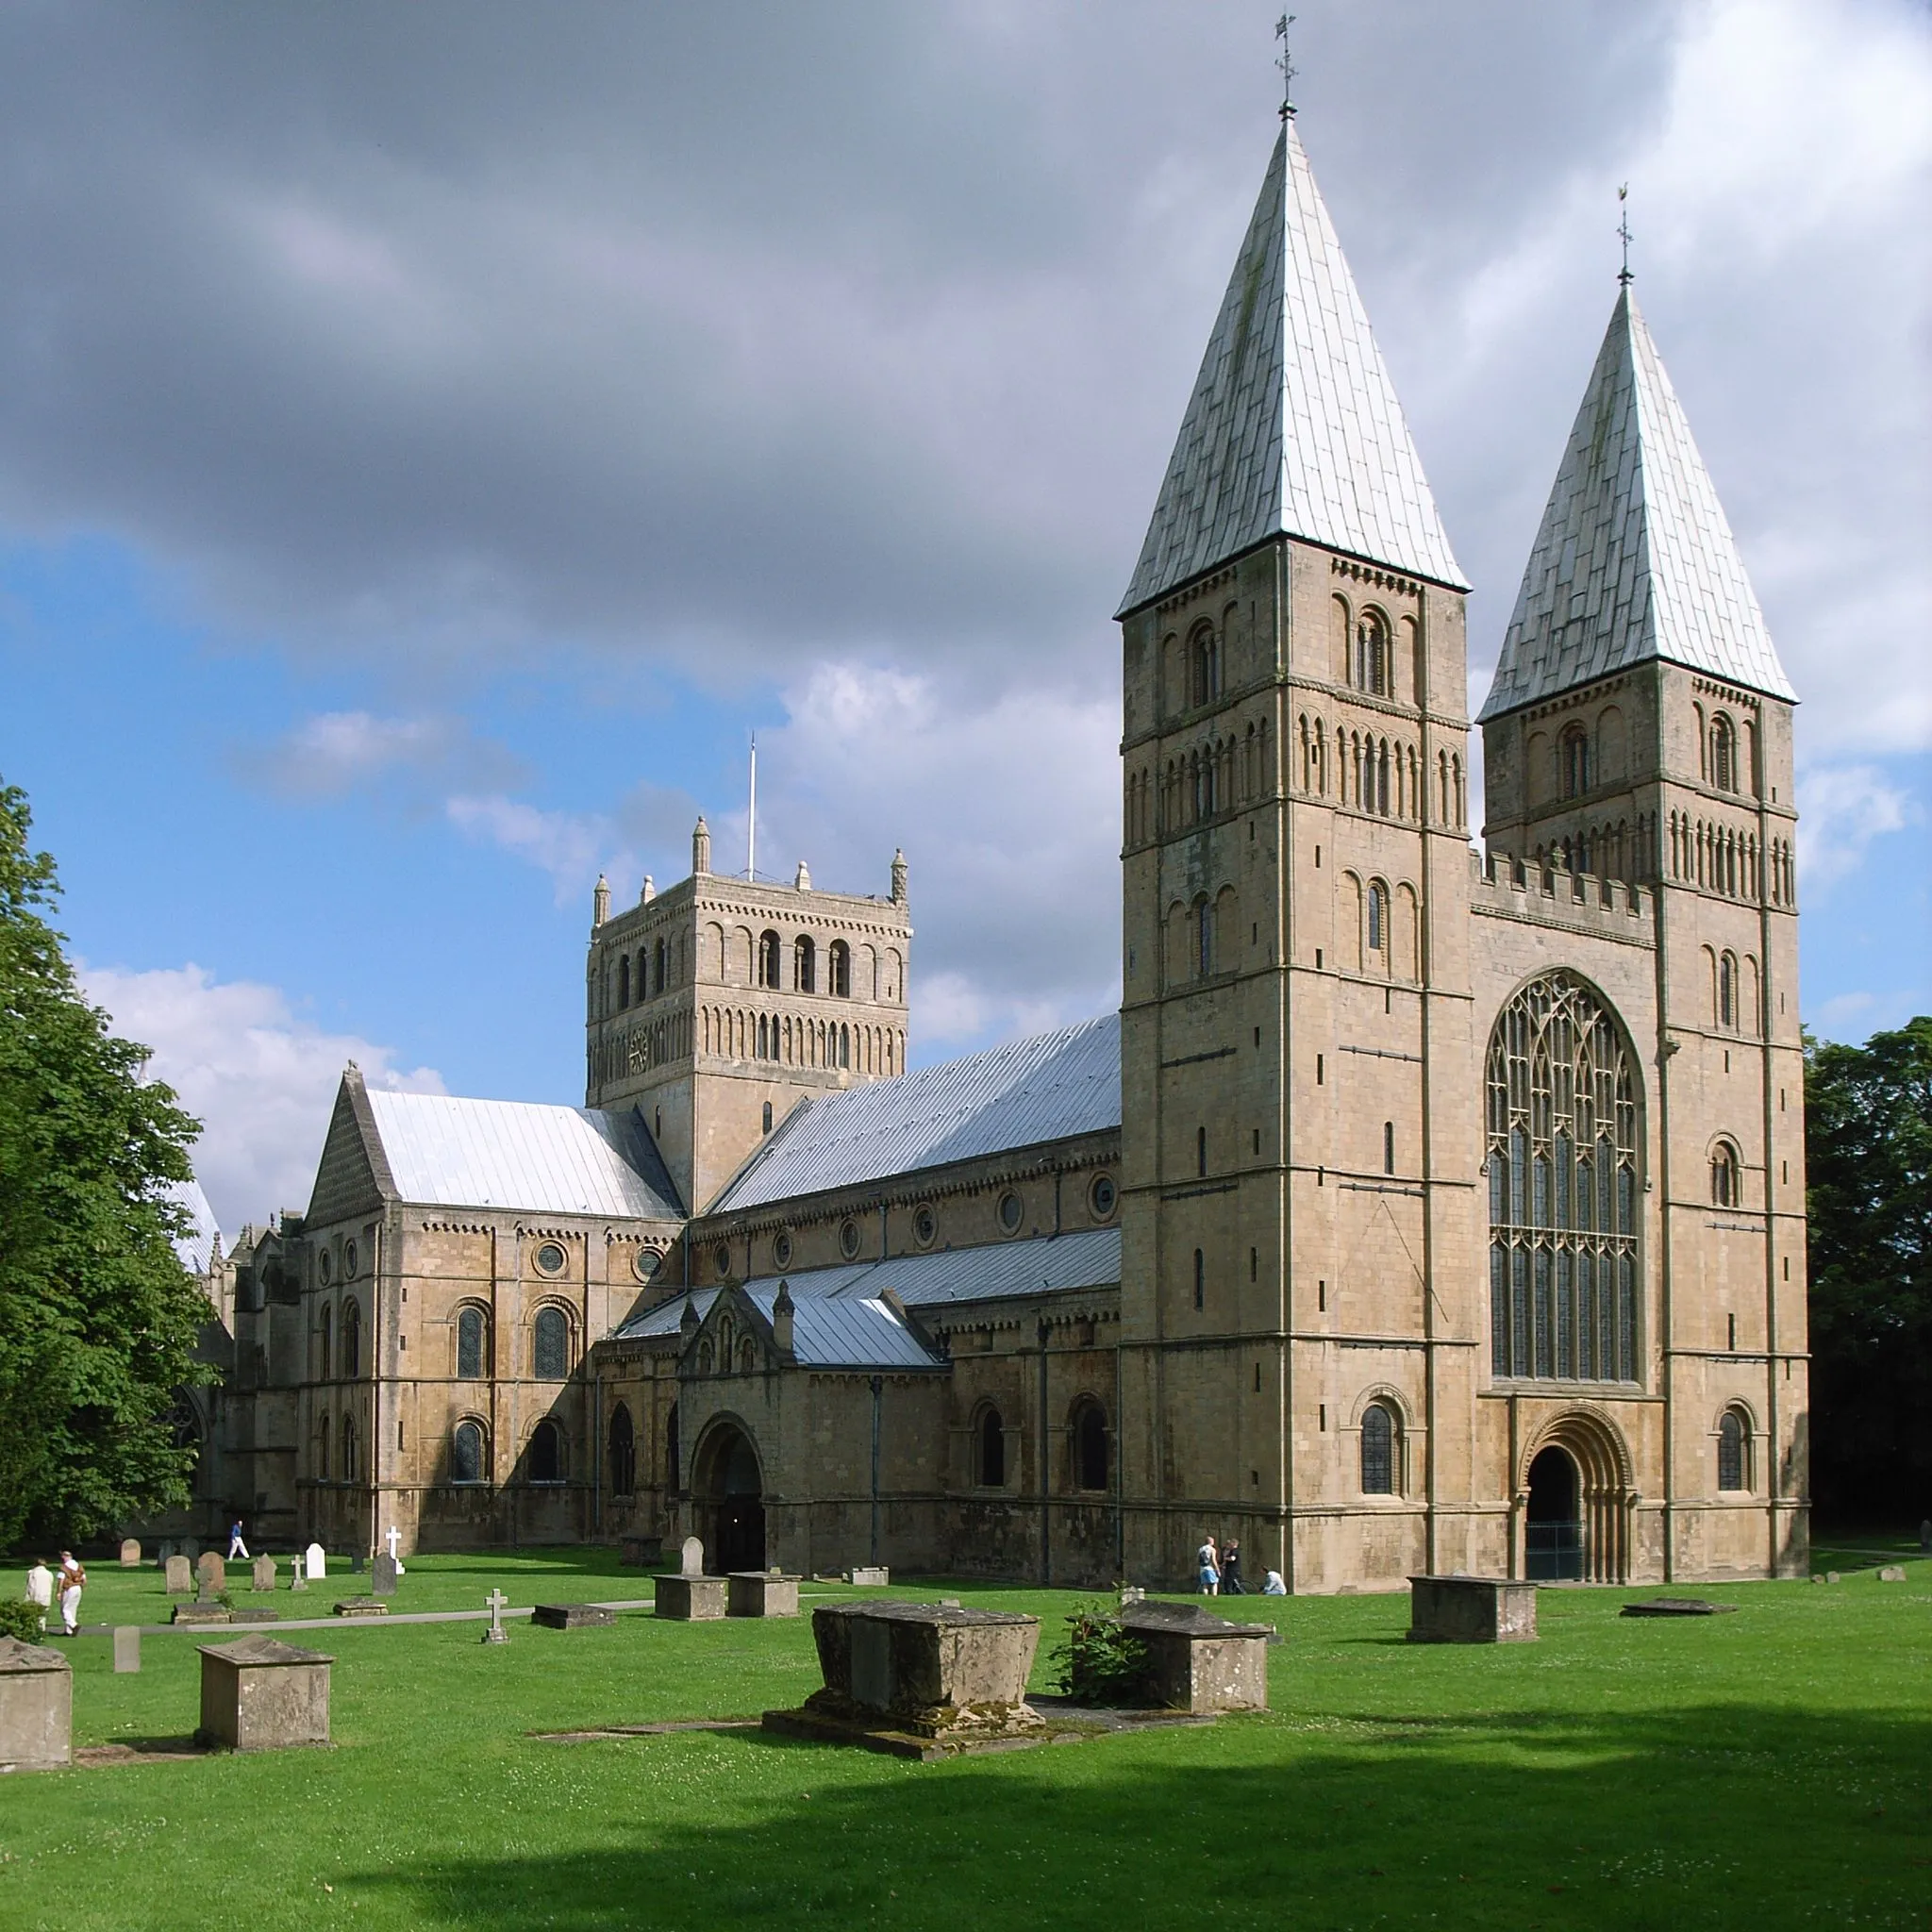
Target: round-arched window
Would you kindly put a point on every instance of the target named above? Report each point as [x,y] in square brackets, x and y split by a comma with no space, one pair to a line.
[1090,1444]
[1733,1441]
[1378,1451]
[622,1452]
[989,1450]
[467,1461]
[471,1335]
[546,1453]
[551,1257]
[351,1339]
[1727,1177]
[550,1346]
[1104,1196]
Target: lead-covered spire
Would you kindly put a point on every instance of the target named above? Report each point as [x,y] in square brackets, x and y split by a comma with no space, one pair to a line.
[1293,427]
[1634,559]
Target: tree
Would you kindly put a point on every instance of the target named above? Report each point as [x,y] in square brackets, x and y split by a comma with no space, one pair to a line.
[98,1316]
[1868,1144]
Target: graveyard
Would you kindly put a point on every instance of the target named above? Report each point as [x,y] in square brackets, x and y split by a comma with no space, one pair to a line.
[1773,1767]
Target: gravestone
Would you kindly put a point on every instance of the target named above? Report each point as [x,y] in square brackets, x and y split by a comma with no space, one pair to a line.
[181,1579]
[36,1708]
[1198,1662]
[199,1612]
[1893,1572]
[875,1577]
[127,1650]
[262,1694]
[264,1573]
[210,1591]
[361,1607]
[690,1596]
[758,1594]
[356,1564]
[496,1633]
[382,1574]
[1471,1609]
[1925,1536]
[315,1563]
[573,1616]
[918,1680]
[691,1560]
[130,1552]
[1675,1607]
[212,1570]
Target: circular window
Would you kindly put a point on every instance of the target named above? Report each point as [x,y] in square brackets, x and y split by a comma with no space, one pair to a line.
[1104,1196]
[848,1238]
[926,1224]
[781,1250]
[325,1268]
[646,1263]
[721,1257]
[551,1257]
[348,1260]
[1011,1211]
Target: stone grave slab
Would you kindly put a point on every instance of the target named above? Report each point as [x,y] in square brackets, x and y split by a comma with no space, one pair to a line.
[1198,1662]
[262,1694]
[127,1650]
[573,1616]
[314,1563]
[918,1680]
[876,1576]
[180,1576]
[255,1613]
[1471,1609]
[130,1552]
[264,1574]
[211,1571]
[758,1594]
[383,1574]
[36,1708]
[201,1613]
[361,1607]
[1675,1607]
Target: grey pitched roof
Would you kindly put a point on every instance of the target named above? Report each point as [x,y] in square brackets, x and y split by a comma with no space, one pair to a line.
[448,1151]
[1018,1095]
[1634,558]
[848,1332]
[1048,1264]
[197,1247]
[1293,427]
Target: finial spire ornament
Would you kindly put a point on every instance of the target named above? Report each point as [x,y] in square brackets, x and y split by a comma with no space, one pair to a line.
[1624,277]
[1285,62]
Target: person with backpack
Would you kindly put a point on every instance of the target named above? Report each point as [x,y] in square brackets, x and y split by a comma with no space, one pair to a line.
[1208,1560]
[73,1581]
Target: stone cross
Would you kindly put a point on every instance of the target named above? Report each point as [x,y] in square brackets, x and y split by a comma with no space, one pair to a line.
[394,1540]
[496,1634]
[693,1558]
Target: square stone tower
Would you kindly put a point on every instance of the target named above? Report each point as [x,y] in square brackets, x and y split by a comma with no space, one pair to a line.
[720,1004]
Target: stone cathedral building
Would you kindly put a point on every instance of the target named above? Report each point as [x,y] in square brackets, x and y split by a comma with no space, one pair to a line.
[1421,1207]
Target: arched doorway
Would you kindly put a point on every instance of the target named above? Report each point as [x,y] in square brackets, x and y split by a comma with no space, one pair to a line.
[1552,1532]
[728,1493]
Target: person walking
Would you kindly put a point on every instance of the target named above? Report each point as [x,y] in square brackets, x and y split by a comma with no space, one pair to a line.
[1208,1560]
[40,1589]
[1231,1583]
[236,1546]
[73,1581]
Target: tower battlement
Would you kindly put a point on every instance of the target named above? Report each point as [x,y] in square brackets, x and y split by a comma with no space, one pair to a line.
[1500,885]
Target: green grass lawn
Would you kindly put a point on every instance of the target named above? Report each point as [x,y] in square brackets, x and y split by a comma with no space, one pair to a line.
[1768,1769]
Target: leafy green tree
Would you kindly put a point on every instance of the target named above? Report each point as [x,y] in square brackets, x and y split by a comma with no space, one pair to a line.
[1868,1145]
[98,1318]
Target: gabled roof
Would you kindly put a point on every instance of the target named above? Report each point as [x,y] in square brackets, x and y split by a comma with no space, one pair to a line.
[1018,1095]
[198,1248]
[437,1150]
[1293,427]
[855,1332]
[1634,558]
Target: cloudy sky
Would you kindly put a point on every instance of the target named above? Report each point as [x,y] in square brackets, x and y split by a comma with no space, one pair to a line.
[433,438]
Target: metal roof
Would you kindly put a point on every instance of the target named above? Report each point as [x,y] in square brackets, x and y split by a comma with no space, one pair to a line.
[1046,1264]
[1293,427]
[448,1151]
[1019,1095]
[855,1332]
[1634,558]
[197,1247]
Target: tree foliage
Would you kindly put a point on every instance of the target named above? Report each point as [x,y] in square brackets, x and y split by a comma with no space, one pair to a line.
[1868,1144]
[98,1316]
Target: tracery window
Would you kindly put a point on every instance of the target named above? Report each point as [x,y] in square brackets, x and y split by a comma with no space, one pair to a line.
[1562,1138]
[1378,1451]
[1732,1442]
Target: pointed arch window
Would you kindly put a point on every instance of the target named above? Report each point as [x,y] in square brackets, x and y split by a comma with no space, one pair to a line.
[1561,1113]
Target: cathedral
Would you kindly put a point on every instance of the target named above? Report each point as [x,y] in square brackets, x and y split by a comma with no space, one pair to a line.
[1424,1207]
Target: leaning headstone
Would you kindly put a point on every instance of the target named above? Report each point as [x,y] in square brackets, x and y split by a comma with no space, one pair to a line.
[1893,1572]
[127,1650]
[212,1572]
[1471,1609]
[262,1694]
[36,1708]
[130,1552]
[264,1573]
[382,1574]
[315,1562]
[180,1578]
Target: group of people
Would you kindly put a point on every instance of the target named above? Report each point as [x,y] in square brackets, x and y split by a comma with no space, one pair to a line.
[1220,1570]
[42,1585]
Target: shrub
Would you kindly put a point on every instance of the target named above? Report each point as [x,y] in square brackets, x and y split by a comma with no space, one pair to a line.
[1099,1661]
[21,1619]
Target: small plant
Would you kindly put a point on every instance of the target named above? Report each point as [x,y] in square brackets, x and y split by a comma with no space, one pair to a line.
[21,1619]
[1100,1661]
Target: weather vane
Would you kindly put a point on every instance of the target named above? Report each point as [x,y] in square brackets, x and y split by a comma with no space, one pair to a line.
[1624,231]
[1287,65]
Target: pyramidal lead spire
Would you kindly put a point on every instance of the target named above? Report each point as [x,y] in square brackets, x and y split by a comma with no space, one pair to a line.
[1293,429]
[1634,559]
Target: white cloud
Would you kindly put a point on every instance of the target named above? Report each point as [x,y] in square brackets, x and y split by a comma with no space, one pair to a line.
[331,753]
[1841,809]
[260,1078]
[573,847]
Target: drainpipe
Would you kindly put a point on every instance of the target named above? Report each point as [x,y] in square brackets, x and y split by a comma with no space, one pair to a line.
[1045,1494]
[878,1382]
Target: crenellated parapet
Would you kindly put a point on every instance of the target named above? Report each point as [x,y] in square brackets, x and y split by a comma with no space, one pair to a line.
[1505,887]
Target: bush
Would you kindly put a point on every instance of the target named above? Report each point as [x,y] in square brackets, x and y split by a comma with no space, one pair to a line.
[21,1619]
[1099,1661]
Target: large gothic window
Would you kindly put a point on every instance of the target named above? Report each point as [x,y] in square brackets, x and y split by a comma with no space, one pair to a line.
[1562,1173]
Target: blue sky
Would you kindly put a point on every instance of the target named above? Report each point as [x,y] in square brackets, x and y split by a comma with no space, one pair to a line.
[432,442]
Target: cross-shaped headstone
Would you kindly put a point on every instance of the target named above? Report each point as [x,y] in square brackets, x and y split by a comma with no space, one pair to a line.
[495,1634]
[394,1540]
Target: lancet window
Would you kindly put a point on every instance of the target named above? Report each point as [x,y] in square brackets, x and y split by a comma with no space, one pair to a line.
[1562,1142]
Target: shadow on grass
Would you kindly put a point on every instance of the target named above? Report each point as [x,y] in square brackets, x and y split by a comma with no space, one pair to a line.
[1724,1815]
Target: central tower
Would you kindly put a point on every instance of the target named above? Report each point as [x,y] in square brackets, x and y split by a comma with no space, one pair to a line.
[1295,979]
